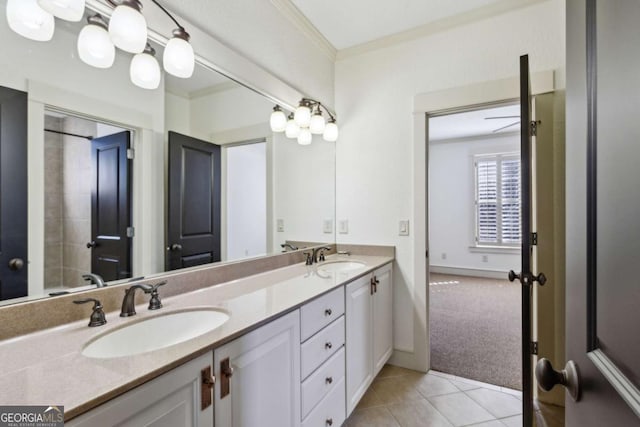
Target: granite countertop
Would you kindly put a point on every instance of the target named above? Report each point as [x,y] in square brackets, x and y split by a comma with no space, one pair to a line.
[47,367]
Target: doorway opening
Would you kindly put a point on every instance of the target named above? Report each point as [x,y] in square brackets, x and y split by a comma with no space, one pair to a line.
[87,201]
[474,240]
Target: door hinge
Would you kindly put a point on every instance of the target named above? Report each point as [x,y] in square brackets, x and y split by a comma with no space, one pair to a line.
[534,347]
[534,239]
[131,232]
[131,153]
[533,127]
[427,254]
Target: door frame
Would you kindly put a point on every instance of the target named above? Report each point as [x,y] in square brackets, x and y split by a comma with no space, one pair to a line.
[477,94]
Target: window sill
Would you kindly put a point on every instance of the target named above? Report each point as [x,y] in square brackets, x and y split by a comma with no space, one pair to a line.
[495,249]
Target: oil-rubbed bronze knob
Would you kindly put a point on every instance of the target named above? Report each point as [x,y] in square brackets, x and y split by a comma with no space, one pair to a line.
[328,312]
[548,377]
[16,264]
[175,247]
[92,244]
[329,421]
[328,380]
[328,345]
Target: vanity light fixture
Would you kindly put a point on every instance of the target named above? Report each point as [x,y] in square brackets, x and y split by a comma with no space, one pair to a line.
[128,26]
[278,120]
[95,47]
[69,10]
[145,70]
[315,125]
[28,19]
[178,58]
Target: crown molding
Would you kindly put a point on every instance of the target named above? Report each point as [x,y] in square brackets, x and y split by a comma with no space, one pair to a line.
[438,26]
[293,14]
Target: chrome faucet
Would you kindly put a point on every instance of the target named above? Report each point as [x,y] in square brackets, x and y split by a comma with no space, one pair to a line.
[129,301]
[288,245]
[315,257]
[94,278]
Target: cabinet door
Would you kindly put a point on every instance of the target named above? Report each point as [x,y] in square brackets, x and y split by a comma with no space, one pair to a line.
[264,388]
[382,317]
[170,400]
[359,358]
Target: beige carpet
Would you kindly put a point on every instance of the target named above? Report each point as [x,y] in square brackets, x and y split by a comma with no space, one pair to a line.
[475,327]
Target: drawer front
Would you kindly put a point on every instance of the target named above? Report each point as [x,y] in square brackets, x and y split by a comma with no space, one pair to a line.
[320,312]
[330,412]
[322,382]
[321,346]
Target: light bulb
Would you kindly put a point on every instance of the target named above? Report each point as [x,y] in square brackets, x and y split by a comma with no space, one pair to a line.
[69,10]
[178,58]
[94,45]
[28,19]
[317,124]
[128,27]
[304,138]
[278,120]
[292,129]
[145,70]
[330,131]
[302,115]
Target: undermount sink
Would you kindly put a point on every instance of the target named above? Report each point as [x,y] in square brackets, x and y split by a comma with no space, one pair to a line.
[155,333]
[340,265]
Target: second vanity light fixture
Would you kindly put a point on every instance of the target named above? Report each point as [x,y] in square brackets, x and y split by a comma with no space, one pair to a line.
[97,41]
[307,120]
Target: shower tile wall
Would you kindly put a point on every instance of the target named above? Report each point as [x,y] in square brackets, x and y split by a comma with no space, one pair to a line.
[53,204]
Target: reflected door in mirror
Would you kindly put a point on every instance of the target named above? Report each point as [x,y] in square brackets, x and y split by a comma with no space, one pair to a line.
[194,202]
[13,193]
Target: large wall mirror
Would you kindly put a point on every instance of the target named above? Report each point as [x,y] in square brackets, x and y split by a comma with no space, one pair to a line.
[126,182]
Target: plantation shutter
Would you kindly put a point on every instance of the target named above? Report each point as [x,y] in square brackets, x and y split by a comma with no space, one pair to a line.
[487,179]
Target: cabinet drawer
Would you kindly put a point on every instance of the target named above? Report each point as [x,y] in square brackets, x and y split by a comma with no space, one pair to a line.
[322,345]
[320,312]
[322,381]
[330,412]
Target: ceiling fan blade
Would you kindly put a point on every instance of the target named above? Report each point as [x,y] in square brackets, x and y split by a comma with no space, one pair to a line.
[502,117]
[507,126]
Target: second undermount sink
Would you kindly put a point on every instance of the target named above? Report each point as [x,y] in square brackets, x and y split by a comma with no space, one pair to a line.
[340,265]
[155,333]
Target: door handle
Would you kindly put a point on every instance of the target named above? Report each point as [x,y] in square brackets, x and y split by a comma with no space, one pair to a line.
[16,264]
[226,372]
[548,377]
[206,387]
[92,244]
[527,279]
[174,247]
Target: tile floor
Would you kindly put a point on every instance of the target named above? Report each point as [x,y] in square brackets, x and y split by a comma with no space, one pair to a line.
[401,397]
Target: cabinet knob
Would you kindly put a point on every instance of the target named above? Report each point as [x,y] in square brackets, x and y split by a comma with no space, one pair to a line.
[328,312]
[329,421]
[328,345]
[328,380]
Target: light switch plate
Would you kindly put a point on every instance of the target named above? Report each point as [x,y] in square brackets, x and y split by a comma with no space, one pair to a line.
[327,226]
[343,225]
[403,229]
[280,225]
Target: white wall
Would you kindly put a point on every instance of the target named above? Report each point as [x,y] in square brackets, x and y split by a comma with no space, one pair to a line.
[374,99]
[452,207]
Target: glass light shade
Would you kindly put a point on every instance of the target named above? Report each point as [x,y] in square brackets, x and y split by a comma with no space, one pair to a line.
[292,130]
[128,29]
[304,138]
[278,120]
[330,132]
[28,19]
[145,71]
[178,58]
[317,124]
[302,116]
[69,10]
[95,47]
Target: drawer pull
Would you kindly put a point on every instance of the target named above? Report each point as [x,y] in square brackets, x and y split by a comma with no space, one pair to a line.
[329,421]
[328,380]
[328,312]
[328,345]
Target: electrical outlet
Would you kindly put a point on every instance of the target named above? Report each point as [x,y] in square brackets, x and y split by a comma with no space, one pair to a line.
[443,255]
[343,226]
[327,226]
[485,258]
[403,229]
[280,225]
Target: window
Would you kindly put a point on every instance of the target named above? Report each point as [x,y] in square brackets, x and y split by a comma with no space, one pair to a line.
[497,199]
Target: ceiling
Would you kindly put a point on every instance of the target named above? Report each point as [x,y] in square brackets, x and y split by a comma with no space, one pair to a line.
[350,23]
[474,123]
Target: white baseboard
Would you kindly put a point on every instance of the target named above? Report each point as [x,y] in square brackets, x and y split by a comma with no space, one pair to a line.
[463,271]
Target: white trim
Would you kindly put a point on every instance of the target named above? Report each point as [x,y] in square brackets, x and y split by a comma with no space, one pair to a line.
[470,272]
[625,388]
[495,249]
[293,14]
[435,27]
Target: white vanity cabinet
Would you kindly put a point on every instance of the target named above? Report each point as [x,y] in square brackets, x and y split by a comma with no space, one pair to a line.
[180,397]
[369,330]
[258,377]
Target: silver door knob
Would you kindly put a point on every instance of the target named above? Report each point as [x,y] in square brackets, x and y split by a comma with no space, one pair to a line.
[548,377]
[16,264]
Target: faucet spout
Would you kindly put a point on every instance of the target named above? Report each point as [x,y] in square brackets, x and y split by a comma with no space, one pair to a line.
[288,245]
[314,256]
[94,278]
[128,303]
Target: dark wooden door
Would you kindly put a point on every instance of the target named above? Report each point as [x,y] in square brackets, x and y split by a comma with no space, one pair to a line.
[194,202]
[111,207]
[13,194]
[603,209]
